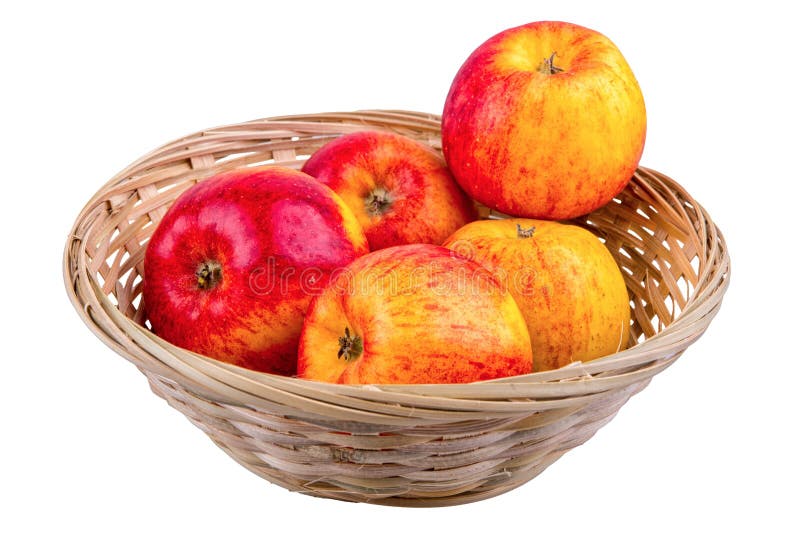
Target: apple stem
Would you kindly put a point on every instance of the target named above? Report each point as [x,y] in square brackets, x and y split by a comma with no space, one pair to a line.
[350,347]
[378,202]
[209,274]
[524,233]
[548,67]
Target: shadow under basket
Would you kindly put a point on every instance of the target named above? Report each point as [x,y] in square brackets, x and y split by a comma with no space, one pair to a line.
[407,445]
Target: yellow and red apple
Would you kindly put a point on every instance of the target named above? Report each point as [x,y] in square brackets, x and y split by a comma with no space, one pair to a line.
[565,281]
[544,120]
[413,314]
[234,263]
[400,190]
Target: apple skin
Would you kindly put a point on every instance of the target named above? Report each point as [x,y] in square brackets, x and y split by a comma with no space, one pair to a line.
[415,314]
[417,199]
[565,281]
[269,239]
[540,144]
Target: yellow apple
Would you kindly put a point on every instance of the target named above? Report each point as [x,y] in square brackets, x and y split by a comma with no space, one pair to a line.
[413,314]
[565,281]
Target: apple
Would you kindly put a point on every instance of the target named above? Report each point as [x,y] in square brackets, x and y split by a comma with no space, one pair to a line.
[232,266]
[399,189]
[565,281]
[413,314]
[544,120]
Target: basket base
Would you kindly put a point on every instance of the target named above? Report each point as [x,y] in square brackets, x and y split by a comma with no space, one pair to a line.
[305,463]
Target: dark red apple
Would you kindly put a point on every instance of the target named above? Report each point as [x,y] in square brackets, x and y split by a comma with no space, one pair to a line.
[232,266]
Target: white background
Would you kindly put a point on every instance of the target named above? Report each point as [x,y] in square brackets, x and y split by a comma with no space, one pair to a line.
[710,445]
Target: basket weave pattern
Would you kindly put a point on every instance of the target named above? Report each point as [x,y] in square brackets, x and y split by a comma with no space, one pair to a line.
[422,445]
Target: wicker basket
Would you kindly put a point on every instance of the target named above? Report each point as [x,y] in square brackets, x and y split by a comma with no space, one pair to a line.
[423,445]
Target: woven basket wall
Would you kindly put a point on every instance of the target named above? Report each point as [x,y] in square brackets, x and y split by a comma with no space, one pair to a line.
[425,445]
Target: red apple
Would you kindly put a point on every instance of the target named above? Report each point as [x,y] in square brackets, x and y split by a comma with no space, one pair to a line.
[544,120]
[232,266]
[399,189]
[413,314]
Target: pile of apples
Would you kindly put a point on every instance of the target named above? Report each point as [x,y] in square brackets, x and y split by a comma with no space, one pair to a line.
[370,265]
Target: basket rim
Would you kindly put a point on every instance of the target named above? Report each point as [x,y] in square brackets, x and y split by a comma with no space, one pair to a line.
[242,386]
